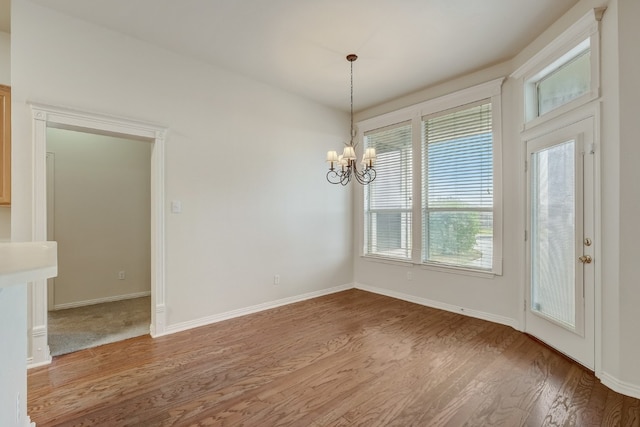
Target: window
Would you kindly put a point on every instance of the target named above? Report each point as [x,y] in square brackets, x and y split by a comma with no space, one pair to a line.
[564,84]
[388,204]
[457,185]
[563,75]
[436,199]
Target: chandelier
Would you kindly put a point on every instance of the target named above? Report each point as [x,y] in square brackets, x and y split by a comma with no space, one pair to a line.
[343,167]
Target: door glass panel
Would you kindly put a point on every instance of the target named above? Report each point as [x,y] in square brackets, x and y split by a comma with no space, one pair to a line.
[553,233]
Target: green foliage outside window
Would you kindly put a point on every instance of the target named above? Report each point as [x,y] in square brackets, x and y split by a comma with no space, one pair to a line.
[453,233]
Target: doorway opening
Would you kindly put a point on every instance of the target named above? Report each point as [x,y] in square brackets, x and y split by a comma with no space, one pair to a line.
[48,120]
[98,210]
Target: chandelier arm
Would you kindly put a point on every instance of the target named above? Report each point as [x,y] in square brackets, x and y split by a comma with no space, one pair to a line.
[366,176]
[347,176]
[334,177]
[358,175]
[342,177]
[372,173]
[362,178]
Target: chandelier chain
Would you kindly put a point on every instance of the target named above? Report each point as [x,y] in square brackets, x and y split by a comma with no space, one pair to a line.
[351,136]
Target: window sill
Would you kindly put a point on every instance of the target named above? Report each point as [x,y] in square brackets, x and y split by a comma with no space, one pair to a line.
[459,270]
[430,267]
[385,260]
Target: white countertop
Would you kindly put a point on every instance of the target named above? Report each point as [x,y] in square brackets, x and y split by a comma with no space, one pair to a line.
[23,262]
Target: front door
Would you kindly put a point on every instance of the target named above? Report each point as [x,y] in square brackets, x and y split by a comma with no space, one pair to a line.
[559,305]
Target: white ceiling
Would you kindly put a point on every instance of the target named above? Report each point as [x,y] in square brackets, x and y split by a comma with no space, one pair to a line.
[300,45]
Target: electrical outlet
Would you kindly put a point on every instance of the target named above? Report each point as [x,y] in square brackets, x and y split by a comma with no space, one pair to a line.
[121,275]
[409,275]
[176,206]
[276,279]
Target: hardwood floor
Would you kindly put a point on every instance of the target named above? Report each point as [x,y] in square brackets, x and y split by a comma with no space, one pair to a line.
[347,359]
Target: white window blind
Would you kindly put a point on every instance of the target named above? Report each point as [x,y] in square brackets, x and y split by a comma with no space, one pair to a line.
[388,204]
[457,189]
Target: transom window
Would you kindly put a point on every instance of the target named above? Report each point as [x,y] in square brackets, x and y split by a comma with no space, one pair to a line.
[563,75]
[564,84]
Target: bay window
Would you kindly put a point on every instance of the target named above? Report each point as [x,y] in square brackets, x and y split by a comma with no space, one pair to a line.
[436,200]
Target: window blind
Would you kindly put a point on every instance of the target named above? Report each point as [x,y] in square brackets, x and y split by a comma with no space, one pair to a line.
[457,188]
[388,204]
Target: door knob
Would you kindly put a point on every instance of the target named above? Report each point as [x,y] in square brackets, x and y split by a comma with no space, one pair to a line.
[585,259]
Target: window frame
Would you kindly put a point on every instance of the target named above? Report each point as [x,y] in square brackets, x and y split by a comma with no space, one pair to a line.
[491,90]
[367,211]
[428,208]
[556,54]
[581,50]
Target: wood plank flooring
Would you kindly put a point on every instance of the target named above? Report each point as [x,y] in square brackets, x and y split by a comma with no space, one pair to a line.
[347,359]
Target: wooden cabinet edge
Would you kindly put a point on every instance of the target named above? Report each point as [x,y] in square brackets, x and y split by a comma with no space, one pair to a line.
[5,147]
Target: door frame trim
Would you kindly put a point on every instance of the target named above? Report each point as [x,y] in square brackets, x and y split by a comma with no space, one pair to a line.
[44,116]
[592,109]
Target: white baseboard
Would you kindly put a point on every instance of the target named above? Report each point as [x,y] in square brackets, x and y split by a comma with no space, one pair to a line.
[40,353]
[99,300]
[157,327]
[31,365]
[622,387]
[183,326]
[441,305]
[608,380]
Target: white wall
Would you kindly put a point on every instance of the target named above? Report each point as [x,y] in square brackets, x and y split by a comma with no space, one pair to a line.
[5,223]
[629,297]
[610,193]
[245,159]
[5,79]
[102,195]
[13,300]
[13,355]
[5,58]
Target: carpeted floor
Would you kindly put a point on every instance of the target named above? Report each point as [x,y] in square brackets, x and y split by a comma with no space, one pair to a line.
[75,329]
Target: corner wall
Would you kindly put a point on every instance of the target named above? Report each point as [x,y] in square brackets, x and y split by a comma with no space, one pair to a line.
[629,297]
[244,158]
[500,298]
[13,356]
[493,298]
